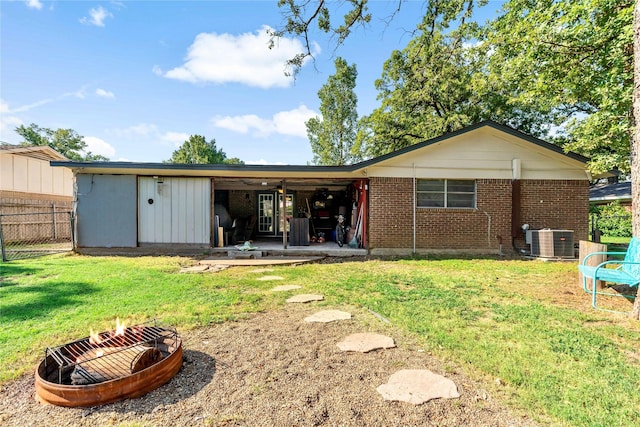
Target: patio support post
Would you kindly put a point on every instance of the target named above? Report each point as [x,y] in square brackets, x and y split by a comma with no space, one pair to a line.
[283,214]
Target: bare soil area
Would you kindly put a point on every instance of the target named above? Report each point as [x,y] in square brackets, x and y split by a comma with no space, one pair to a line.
[274,369]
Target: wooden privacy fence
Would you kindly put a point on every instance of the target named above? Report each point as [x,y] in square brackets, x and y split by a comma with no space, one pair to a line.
[24,235]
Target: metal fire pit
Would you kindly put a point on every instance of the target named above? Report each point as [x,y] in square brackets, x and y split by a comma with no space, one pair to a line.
[82,373]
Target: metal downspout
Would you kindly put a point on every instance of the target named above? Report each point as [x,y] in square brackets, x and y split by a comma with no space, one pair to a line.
[516,169]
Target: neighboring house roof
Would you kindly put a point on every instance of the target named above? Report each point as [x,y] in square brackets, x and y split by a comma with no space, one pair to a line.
[43,152]
[358,170]
[610,192]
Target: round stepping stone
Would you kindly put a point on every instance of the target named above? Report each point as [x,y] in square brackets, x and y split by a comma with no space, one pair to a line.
[285,288]
[305,298]
[268,278]
[326,316]
[418,386]
[366,342]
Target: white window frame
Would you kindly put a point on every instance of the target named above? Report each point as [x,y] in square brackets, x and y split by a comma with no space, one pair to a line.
[446,193]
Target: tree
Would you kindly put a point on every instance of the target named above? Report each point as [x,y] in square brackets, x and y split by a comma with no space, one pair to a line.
[635,146]
[573,61]
[332,136]
[300,15]
[196,150]
[65,141]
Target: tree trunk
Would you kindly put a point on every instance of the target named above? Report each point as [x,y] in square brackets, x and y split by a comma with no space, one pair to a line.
[635,140]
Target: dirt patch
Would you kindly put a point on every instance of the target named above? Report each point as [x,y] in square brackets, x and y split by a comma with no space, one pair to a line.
[274,369]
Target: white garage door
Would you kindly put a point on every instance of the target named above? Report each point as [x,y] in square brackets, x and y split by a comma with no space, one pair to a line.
[174,210]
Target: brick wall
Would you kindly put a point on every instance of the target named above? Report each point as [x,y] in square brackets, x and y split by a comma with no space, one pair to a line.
[564,206]
[561,205]
[239,205]
[390,213]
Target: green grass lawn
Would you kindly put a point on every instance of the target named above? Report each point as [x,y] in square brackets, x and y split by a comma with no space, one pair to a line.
[615,240]
[523,328]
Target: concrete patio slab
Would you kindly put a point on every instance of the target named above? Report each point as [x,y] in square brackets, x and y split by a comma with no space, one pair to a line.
[304,298]
[326,316]
[285,288]
[366,342]
[204,268]
[275,260]
[418,386]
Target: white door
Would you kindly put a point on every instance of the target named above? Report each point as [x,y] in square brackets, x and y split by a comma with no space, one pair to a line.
[269,213]
[174,210]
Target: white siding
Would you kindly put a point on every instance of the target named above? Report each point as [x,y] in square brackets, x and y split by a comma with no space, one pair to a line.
[30,175]
[179,213]
[6,172]
[481,153]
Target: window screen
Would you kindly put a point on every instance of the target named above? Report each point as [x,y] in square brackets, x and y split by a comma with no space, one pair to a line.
[446,193]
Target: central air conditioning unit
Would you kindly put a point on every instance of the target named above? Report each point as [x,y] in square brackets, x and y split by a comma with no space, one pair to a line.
[548,243]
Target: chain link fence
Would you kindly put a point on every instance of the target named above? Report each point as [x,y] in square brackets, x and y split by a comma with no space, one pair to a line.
[27,235]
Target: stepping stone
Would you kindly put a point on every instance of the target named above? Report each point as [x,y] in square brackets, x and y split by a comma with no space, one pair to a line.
[305,298]
[418,386]
[284,288]
[326,316]
[366,342]
[268,278]
[262,270]
[194,269]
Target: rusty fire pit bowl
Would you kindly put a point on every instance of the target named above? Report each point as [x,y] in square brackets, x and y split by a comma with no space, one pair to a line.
[54,384]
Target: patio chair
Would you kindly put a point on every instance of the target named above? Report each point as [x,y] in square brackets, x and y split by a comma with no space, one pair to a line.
[626,272]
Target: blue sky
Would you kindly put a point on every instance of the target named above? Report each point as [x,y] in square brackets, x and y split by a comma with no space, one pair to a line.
[136,78]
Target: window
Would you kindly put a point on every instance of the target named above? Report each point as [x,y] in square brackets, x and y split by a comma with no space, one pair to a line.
[446,193]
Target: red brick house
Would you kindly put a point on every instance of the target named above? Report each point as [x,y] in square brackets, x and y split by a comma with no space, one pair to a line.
[466,191]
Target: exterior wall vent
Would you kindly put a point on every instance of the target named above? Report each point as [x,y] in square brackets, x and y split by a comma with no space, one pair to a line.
[548,243]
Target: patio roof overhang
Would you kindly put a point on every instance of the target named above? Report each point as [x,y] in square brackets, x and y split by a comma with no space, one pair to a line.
[230,176]
[256,172]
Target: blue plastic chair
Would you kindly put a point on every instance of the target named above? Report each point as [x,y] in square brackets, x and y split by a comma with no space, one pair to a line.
[627,272]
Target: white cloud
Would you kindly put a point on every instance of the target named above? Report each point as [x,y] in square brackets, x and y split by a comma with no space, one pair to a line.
[8,125]
[142,129]
[176,138]
[9,121]
[157,71]
[293,122]
[245,59]
[284,123]
[150,132]
[34,4]
[4,106]
[23,108]
[105,93]
[80,93]
[98,146]
[97,17]
[245,124]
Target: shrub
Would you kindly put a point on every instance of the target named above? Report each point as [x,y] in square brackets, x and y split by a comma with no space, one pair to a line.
[613,220]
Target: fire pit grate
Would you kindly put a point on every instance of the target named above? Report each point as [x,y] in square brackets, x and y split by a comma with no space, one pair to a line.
[109,366]
[111,355]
